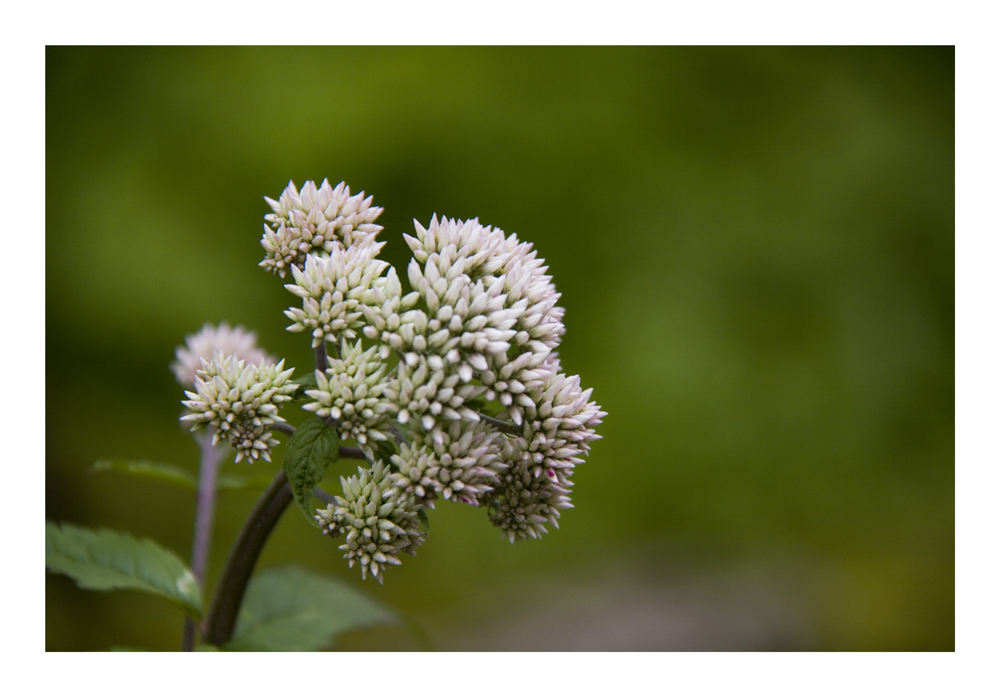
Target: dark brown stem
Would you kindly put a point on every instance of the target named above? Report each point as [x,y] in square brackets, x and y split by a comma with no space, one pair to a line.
[320,353]
[249,543]
[242,559]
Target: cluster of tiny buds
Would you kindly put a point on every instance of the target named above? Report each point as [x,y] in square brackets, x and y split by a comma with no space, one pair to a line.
[315,221]
[477,335]
[379,521]
[240,402]
[351,392]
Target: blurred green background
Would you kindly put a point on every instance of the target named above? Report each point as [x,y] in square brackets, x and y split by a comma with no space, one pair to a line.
[755,250]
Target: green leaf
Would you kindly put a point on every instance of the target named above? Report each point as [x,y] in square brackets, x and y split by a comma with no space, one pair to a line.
[160,471]
[384,450]
[422,516]
[313,448]
[127,648]
[307,381]
[172,474]
[104,559]
[239,482]
[293,609]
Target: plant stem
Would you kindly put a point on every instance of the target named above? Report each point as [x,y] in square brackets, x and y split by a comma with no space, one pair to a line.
[320,353]
[242,559]
[249,543]
[282,427]
[502,426]
[211,457]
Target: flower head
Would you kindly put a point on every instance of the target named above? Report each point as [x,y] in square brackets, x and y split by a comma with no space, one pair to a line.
[315,221]
[490,312]
[351,391]
[241,402]
[333,291]
[554,439]
[462,466]
[211,340]
[522,504]
[380,521]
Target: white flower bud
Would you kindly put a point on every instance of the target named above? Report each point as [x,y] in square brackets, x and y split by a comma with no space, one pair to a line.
[315,221]
[380,520]
[241,401]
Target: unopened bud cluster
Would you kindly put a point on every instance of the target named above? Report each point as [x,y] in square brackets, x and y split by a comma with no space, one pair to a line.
[454,390]
[314,221]
[379,521]
[351,392]
[241,402]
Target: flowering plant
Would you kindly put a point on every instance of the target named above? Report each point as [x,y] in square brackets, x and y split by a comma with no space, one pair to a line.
[451,391]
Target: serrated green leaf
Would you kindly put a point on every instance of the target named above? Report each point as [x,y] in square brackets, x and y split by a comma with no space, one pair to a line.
[105,559]
[313,448]
[293,609]
[160,471]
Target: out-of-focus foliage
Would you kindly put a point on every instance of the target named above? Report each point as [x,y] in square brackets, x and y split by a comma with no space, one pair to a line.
[291,609]
[755,249]
[104,560]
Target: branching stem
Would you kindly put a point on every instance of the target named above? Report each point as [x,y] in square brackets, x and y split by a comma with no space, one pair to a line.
[242,559]
[502,426]
[246,550]
[282,427]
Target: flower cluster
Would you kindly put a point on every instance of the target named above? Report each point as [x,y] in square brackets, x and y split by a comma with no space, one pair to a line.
[486,329]
[476,410]
[462,467]
[241,402]
[334,290]
[315,221]
[380,521]
[523,503]
[351,392]
[211,340]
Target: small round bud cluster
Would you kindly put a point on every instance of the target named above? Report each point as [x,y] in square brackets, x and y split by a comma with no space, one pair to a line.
[351,391]
[523,503]
[333,291]
[561,424]
[487,296]
[241,402]
[211,340]
[462,467]
[380,521]
[315,221]
[555,438]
